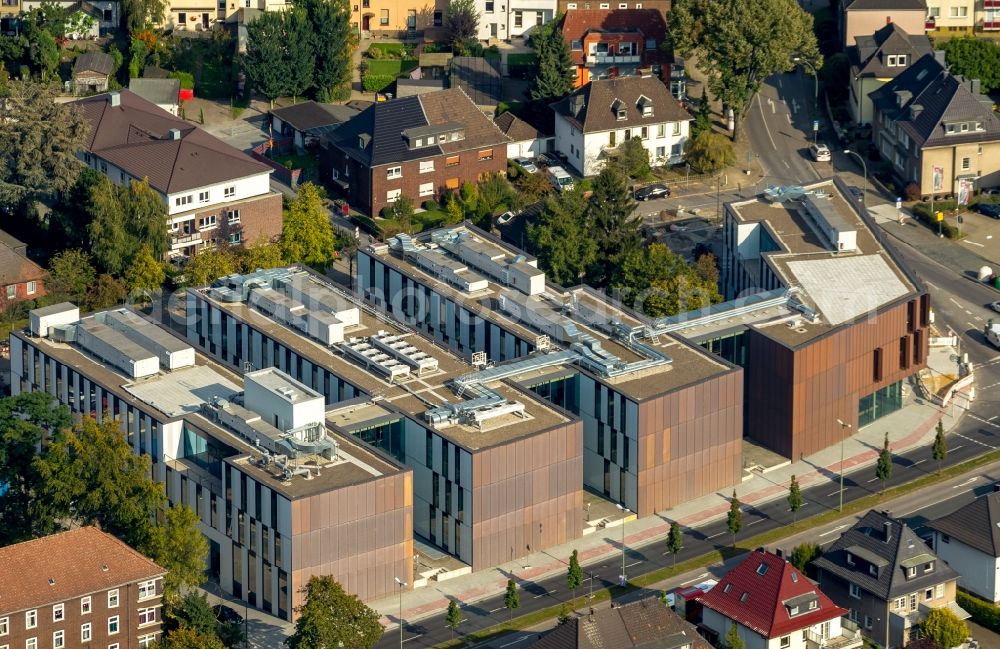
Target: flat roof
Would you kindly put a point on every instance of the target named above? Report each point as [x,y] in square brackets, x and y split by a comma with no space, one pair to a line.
[182,391]
[283,385]
[413,395]
[840,285]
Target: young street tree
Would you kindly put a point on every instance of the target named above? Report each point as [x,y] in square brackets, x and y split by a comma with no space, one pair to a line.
[452,617]
[939,451]
[554,78]
[306,234]
[574,574]
[944,628]
[675,541]
[332,617]
[795,501]
[883,467]
[563,238]
[739,43]
[511,599]
[461,22]
[733,639]
[180,547]
[734,519]
[41,138]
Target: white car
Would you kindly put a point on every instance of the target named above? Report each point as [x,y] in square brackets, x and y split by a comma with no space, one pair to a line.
[995,306]
[527,165]
[820,152]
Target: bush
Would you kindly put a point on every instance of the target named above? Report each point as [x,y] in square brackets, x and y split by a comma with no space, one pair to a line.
[912,192]
[186,79]
[983,613]
[922,212]
[431,206]
[377,82]
[386,50]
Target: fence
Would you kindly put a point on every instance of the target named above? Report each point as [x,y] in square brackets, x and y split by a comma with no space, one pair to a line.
[279,146]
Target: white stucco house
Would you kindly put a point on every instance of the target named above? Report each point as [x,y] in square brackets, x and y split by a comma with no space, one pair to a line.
[507,19]
[774,606]
[969,540]
[525,140]
[597,118]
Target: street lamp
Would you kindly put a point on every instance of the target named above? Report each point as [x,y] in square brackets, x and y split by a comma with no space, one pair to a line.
[625,512]
[402,586]
[843,425]
[864,167]
[815,111]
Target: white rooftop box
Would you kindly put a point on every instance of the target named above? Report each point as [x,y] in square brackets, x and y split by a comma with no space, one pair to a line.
[43,319]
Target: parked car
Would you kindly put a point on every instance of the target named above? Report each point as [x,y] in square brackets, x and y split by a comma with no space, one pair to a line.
[649,192]
[995,306]
[561,180]
[856,193]
[820,152]
[225,614]
[548,160]
[991,210]
[526,164]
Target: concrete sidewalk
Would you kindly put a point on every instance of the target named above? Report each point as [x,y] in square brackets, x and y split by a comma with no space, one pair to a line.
[912,426]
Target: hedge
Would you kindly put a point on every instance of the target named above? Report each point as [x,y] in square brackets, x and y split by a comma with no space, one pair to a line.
[983,613]
[922,211]
[186,79]
[377,82]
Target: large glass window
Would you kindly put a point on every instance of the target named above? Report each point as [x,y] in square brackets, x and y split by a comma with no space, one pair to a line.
[205,451]
[880,403]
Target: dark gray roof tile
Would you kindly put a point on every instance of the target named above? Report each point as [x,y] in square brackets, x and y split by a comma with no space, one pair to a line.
[598,97]
[976,524]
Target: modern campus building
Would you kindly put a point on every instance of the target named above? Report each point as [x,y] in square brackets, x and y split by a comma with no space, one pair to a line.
[282,491]
[662,418]
[496,468]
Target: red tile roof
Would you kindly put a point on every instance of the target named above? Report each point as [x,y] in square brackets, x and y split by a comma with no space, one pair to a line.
[754,594]
[649,22]
[63,566]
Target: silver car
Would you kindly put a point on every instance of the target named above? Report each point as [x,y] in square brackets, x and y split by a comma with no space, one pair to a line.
[527,165]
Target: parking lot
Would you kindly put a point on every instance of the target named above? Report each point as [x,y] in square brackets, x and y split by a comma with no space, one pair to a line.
[981,234]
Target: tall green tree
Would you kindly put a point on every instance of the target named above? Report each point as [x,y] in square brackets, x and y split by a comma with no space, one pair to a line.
[734,519]
[708,152]
[733,639]
[974,58]
[883,467]
[106,292]
[209,265]
[142,14]
[92,473]
[658,282]
[333,45]
[795,501]
[939,451]
[511,598]
[179,546]
[27,419]
[266,63]
[41,138]
[944,628]
[43,52]
[124,219]
[145,273]
[300,41]
[188,638]
[574,574]
[452,617]
[71,274]
[191,611]
[461,22]
[803,555]
[615,226]
[563,239]
[332,617]
[306,234]
[675,541]
[554,77]
[703,116]
[739,43]
[632,158]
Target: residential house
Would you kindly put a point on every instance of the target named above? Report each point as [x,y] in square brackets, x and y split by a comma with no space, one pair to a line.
[21,278]
[413,87]
[109,11]
[988,16]
[969,540]
[418,147]
[877,59]
[607,43]
[946,17]
[91,72]
[507,19]
[645,623]
[479,77]
[663,6]
[887,577]
[938,130]
[594,120]
[9,10]
[398,18]
[774,606]
[212,191]
[83,21]
[306,121]
[165,93]
[191,15]
[525,140]
[82,588]
[862,17]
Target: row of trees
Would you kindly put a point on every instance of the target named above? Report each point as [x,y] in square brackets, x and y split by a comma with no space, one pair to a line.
[307,48]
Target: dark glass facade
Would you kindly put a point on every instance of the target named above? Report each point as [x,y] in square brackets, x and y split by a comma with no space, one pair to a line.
[880,403]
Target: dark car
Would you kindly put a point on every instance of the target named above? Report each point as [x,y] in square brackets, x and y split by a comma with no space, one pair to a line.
[649,192]
[226,615]
[991,210]
[856,193]
[548,160]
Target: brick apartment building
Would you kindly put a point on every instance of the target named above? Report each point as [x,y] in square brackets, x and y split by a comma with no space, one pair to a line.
[81,588]
[419,147]
[213,192]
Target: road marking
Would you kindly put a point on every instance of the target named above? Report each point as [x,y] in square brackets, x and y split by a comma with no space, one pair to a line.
[964,484]
[414,637]
[993,417]
[691,581]
[919,461]
[955,448]
[836,529]
[955,302]
[834,493]
[515,642]
[872,480]
[634,563]
[786,164]
[764,120]
[973,243]
[933,286]
[970,324]
[759,520]
[714,535]
[498,609]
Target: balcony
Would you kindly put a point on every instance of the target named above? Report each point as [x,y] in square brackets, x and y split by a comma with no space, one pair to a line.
[608,59]
[930,24]
[849,638]
[991,4]
[991,26]
[184,240]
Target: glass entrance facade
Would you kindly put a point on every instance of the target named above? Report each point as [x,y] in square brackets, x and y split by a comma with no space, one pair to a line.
[880,403]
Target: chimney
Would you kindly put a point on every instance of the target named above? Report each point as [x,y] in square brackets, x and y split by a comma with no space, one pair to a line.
[778,552]
[888,530]
[974,86]
[888,20]
[174,134]
[115,98]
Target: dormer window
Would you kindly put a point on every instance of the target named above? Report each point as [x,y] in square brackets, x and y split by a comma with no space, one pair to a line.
[645,106]
[762,569]
[949,128]
[727,588]
[872,570]
[813,605]
[619,109]
[850,559]
[794,610]
[929,567]
[911,572]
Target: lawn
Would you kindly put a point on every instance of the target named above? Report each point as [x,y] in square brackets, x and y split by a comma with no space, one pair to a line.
[211,64]
[391,67]
[384,50]
[521,58]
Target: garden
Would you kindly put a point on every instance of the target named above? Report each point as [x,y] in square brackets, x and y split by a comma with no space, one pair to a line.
[383,63]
